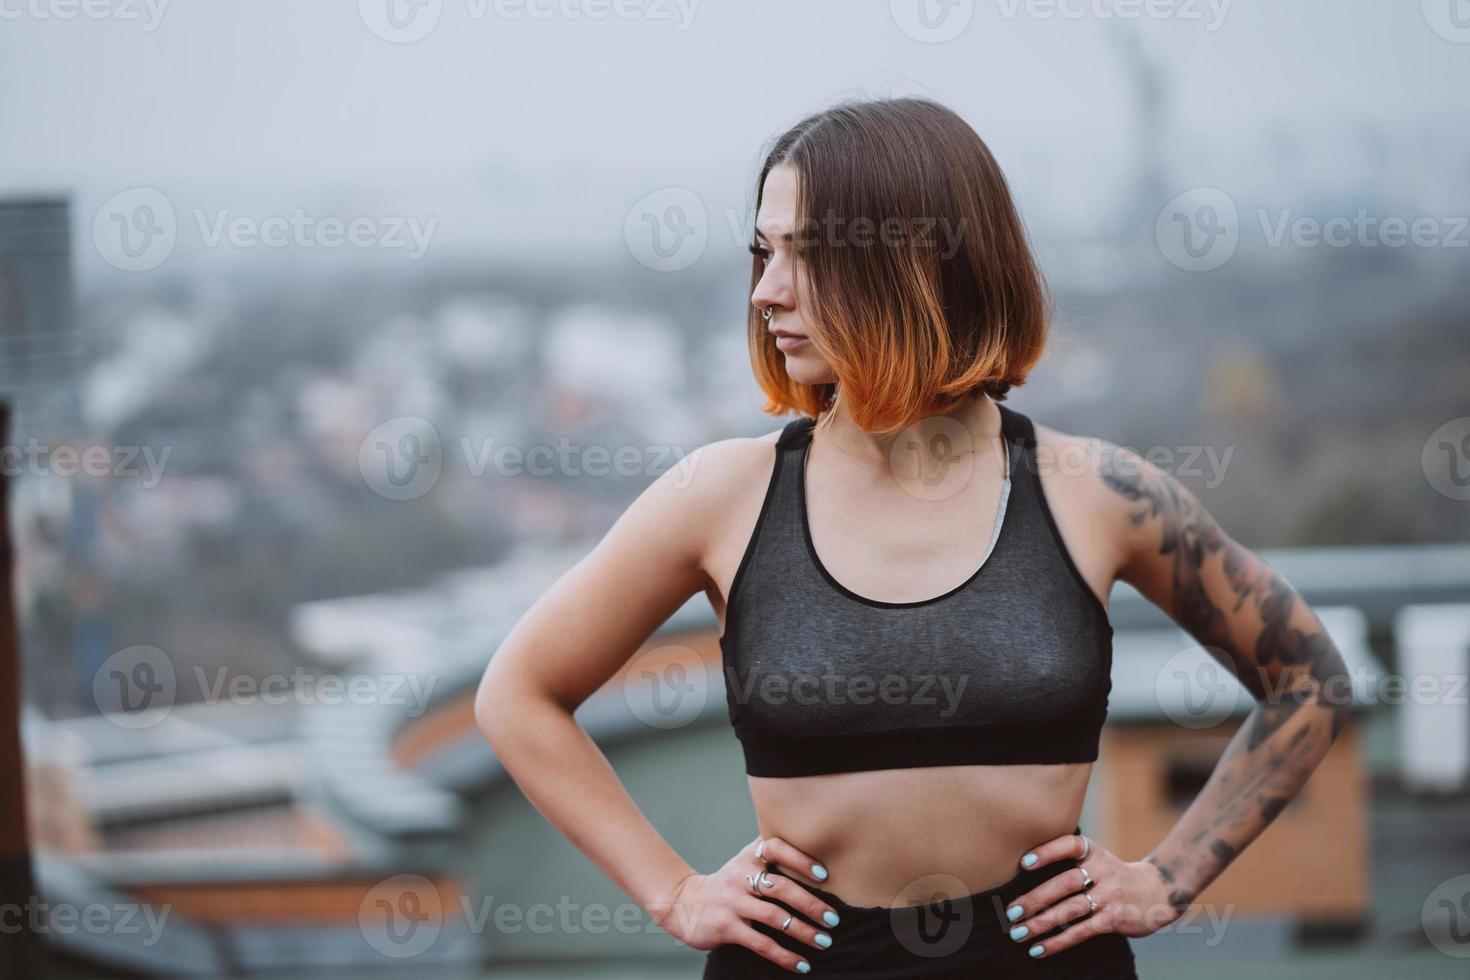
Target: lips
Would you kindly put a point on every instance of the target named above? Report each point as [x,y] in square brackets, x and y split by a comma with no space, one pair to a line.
[790,336]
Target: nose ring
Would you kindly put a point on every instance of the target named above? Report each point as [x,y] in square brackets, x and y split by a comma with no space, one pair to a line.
[767,313]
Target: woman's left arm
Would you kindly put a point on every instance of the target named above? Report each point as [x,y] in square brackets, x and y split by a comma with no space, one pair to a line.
[1167,546]
[1249,618]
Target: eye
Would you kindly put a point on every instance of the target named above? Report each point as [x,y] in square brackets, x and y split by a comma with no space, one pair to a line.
[760,252]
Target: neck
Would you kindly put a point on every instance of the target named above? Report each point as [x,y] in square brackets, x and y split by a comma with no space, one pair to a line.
[970,426]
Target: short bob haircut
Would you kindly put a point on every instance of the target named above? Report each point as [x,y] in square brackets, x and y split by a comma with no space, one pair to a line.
[922,285]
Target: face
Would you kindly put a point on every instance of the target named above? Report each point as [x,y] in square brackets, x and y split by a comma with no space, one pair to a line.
[776,289]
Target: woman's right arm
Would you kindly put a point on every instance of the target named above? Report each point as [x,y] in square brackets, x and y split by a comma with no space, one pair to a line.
[574,638]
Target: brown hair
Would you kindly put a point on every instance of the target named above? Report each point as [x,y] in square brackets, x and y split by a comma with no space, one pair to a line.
[956,303]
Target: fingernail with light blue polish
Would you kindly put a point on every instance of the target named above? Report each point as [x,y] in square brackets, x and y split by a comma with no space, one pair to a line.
[804,967]
[1013,913]
[1035,950]
[1028,860]
[830,918]
[819,872]
[1019,932]
[824,940]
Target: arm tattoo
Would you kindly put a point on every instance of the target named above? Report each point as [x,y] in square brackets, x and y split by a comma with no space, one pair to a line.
[1234,604]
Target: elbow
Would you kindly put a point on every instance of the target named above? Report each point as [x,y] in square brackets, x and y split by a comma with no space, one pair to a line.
[484,713]
[1343,701]
[503,703]
[1337,690]
[490,707]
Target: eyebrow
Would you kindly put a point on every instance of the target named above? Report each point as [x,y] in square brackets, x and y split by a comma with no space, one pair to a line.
[760,234]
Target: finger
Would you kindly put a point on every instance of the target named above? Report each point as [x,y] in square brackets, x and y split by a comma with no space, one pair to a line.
[1065,846]
[1093,925]
[779,851]
[774,915]
[764,946]
[801,901]
[1043,896]
[1059,913]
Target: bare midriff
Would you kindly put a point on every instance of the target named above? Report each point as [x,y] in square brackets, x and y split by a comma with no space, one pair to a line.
[896,837]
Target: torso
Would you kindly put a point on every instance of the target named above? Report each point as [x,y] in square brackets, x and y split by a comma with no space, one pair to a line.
[881,832]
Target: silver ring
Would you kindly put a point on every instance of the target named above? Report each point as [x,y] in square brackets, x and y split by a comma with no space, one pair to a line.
[786,923]
[1092,903]
[1087,881]
[1086,848]
[756,884]
[760,850]
[767,313]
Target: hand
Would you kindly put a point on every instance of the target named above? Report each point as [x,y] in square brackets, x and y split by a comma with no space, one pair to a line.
[712,910]
[1131,898]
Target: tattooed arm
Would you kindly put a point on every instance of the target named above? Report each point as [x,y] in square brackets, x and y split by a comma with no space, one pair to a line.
[1250,619]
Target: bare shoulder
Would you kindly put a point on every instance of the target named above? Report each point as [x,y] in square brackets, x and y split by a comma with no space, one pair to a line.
[716,481]
[1075,462]
[722,470]
[586,625]
[731,477]
[1079,473]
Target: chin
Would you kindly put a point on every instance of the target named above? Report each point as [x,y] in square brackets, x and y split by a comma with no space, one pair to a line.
[803,371]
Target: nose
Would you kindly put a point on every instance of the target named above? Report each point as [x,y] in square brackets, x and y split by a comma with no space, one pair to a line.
[774,287]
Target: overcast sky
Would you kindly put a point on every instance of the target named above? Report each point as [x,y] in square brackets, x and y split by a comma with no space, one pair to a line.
[502,108]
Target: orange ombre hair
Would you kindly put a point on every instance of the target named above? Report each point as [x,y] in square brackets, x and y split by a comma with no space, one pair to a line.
[921,283]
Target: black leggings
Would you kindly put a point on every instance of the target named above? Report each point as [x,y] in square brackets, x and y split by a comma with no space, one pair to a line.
[950,939]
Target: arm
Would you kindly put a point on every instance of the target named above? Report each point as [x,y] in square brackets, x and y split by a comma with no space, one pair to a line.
[1248,617]
[569,643]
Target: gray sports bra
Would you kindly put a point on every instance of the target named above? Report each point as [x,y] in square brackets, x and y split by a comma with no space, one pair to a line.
[1011,666]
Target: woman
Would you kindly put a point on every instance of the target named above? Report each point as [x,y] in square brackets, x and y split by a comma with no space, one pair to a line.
[912,583]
